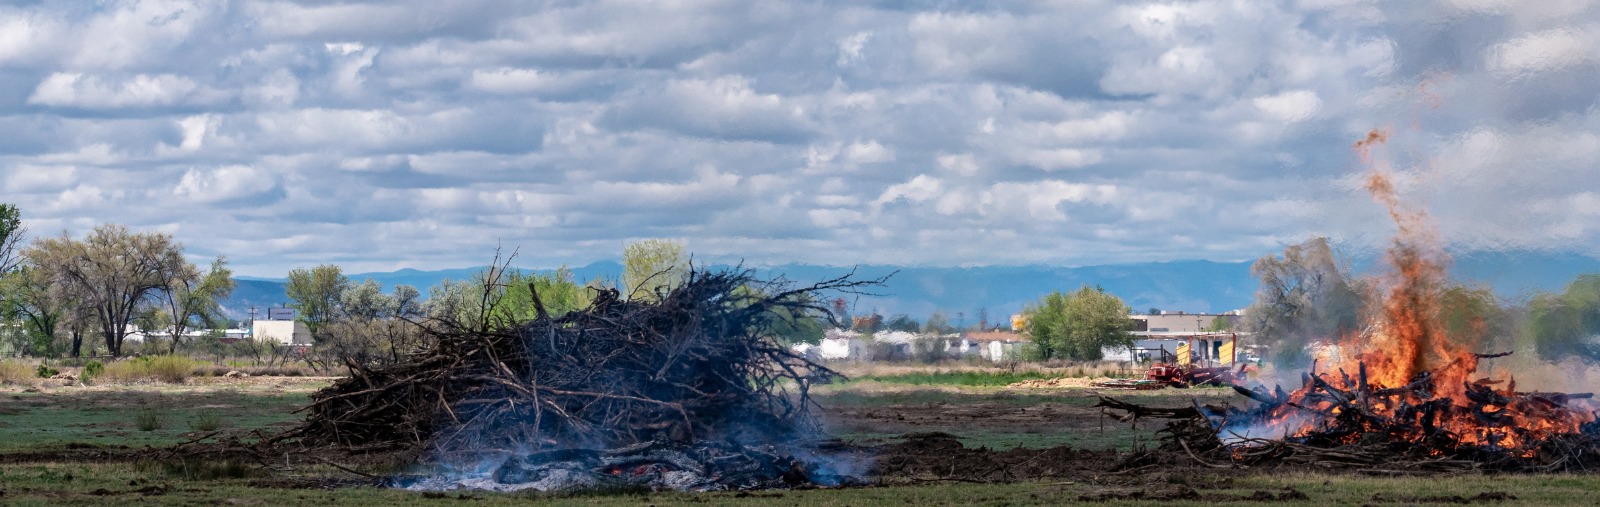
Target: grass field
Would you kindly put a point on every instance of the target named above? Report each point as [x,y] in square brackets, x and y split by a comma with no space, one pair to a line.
[50,438]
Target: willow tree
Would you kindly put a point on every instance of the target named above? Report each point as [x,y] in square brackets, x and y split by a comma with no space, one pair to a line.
[110,272]
[652,267]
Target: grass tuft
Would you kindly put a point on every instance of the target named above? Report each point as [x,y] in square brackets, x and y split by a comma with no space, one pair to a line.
[15,372]
[148,420]
[208,420]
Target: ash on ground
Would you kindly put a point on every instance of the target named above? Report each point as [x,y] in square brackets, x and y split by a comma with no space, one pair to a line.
[657,466]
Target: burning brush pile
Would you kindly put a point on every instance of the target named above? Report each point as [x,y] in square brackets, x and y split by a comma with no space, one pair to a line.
[1401,395]
[685,393]
[1435,422]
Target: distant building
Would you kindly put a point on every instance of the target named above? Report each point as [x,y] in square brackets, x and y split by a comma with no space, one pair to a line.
[1179,322]
[840,344]
[995,345]
[286,332]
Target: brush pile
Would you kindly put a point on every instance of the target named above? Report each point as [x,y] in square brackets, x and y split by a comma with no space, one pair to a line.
[698,365]
[1336,420]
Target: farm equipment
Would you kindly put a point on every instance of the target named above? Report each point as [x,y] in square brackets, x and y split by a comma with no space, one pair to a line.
[1197,361]
[1213,363]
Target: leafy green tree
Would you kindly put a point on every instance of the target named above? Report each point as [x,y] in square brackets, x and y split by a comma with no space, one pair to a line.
[111,271]
[1473,317]
[372,328]
[1305,294]
[191,296]
[317,293]
[1567,324]
[26,299]
[558,292]
[1079,325]
[1219,324]
[11,233]
[653,266]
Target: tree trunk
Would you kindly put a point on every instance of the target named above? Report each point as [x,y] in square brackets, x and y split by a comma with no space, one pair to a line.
[77,342]
[113,343]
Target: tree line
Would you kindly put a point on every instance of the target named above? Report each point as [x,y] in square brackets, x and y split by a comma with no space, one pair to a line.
[66,296]
[59,293]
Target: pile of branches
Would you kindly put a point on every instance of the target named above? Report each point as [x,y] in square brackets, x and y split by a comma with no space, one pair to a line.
[1334,424]
[698,363]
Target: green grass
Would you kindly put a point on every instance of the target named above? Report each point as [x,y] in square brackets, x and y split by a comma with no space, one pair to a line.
[45,421]
[956,378]
[147,484]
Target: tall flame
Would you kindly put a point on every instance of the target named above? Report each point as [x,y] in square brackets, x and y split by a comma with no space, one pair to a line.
[1405,344]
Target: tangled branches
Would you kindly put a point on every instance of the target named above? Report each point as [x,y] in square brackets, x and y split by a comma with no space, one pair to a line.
[698,364]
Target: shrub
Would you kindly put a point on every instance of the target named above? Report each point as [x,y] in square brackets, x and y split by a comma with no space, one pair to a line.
[45,371]
[91,370]
[206,421]
[15,372]
[148,420]
[172,369]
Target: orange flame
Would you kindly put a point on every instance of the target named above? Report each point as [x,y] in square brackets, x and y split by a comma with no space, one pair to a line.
[1404,341]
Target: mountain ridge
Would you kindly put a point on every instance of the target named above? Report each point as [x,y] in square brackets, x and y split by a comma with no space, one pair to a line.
[1196,286]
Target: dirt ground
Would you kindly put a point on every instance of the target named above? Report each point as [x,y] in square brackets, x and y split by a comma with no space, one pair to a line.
[82,443]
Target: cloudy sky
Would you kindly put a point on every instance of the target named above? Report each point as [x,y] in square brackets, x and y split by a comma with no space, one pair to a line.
[422,134]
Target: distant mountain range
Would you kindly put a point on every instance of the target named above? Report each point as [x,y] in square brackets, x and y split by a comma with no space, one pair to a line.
[962,292]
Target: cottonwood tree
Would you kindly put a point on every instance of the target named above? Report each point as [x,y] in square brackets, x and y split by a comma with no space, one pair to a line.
[25,298]
[111,272]
[373,328]
[316,293]
[652,267]
[191,296]
[11,233]
[1567,324]
[1305,294]
[1079,325]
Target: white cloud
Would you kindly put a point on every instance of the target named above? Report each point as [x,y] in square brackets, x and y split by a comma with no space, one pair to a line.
[869,152]
[1290,107]
[1042,200]
[223,183]
[1063,158]
[33,178]
[423,133]
[918,189]
[963,164]
[850,48]
[71,89]
[1545,51]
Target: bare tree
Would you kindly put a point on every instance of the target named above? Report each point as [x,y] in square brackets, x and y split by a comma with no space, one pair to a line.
[111,271]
